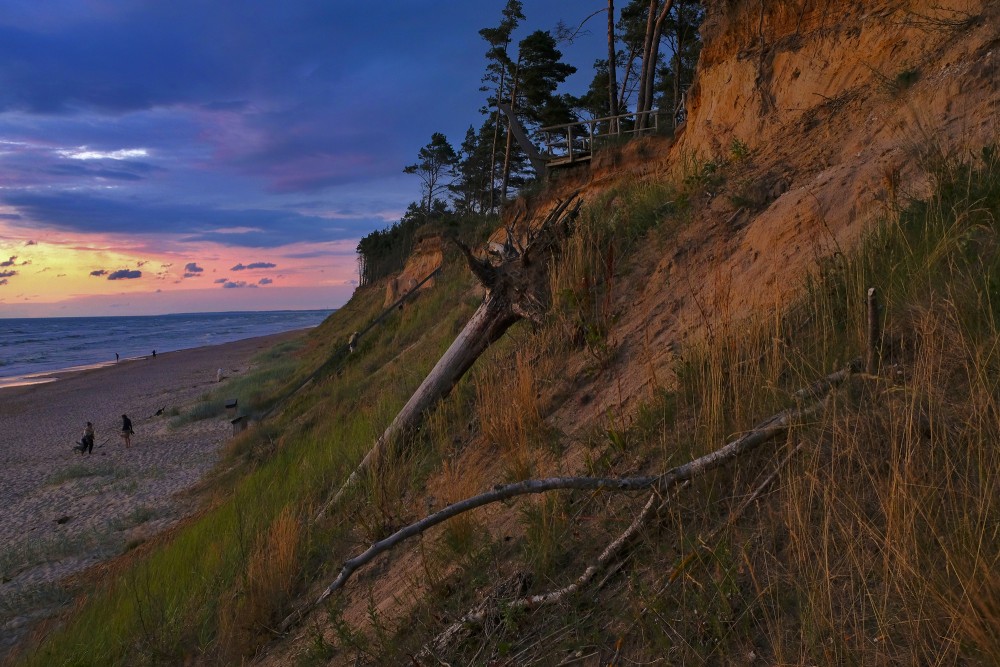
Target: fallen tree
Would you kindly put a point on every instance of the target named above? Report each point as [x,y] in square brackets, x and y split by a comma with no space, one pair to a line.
[516,282]
[765,431]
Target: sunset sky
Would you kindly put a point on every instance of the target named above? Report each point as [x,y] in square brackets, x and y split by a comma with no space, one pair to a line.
[201,155]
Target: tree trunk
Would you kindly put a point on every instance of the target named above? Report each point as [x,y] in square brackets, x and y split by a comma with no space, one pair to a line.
[612,69]
[651,52]
[510,132]
[496,133]
[516,289]
[646,47]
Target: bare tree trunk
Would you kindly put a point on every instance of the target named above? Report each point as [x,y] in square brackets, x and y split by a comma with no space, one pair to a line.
[764,431]
[516,289]
[612,69]
[496,133]
[649,65]
[510,132]
[647,45]
[623,92]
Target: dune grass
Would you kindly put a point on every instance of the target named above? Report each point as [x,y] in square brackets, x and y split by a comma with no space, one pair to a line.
[877,544]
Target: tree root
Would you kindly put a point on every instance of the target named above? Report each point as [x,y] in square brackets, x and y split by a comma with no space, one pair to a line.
[515,288]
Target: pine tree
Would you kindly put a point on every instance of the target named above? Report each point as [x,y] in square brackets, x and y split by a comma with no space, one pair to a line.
[437,161]
[497,80]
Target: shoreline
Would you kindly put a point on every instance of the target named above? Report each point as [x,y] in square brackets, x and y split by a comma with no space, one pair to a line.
[52,375]
[66,512]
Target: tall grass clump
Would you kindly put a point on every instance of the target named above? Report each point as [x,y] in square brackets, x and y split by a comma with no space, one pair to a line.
[877,542]
[583,280]
[509,417]
[877,546]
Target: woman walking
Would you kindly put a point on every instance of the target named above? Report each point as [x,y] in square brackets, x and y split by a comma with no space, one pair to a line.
[127,431]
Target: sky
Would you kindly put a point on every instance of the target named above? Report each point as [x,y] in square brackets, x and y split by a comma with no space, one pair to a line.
[163,156]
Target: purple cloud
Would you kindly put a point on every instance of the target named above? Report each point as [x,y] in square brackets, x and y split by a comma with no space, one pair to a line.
[264,281]
[220,281]
[9,262]
[3,281]
[254,265]
[17,217]
[99,272]
[192,267]
[8,274]
[237,284]
[124,274]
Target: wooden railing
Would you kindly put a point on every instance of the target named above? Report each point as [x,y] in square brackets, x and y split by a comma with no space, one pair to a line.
[573,142]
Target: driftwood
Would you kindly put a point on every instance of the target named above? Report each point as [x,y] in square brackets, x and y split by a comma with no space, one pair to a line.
[516,288]
[658,484]
[481,612]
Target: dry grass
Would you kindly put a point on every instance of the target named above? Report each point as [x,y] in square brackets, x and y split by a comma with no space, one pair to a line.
[509,418]
[263,591]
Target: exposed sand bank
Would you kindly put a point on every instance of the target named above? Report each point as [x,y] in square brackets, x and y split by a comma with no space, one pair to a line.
[63,511]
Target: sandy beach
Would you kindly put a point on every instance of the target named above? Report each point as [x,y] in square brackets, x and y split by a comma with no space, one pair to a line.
[64,512]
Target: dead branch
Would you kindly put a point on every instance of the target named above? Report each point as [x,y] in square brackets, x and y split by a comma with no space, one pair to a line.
[658,484]
[516,288]
[478,615]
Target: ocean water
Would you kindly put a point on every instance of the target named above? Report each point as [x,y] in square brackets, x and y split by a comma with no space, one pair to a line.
[31,348]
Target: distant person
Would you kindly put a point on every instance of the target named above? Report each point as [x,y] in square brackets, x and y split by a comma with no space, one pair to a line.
[154,354]
[116,357]
[86,443]
[127,431]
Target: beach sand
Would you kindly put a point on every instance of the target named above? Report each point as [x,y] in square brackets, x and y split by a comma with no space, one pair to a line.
[63,512]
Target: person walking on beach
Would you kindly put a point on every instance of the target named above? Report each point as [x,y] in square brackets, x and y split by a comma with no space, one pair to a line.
[86,444]
[116,357]
[127,431]
[154,354]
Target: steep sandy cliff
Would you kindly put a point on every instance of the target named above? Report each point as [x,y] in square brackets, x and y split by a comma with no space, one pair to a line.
[823,116]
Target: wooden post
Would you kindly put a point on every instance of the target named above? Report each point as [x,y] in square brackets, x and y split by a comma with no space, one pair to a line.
[874,333]
[569,141]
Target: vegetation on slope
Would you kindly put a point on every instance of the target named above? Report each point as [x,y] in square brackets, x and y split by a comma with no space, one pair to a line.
[877,542]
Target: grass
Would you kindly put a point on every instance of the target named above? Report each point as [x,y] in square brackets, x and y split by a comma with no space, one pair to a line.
[877,545]
[84,470]
[879,542]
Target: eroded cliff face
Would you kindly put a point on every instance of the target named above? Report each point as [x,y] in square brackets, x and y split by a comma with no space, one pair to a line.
[427,255]
[824,116]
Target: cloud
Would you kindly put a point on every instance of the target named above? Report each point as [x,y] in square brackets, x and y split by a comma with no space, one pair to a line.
[238,283]
[254,265]
[99,272]
[83,212]
[17,217]
[192,267]
[3,281]
[191,275]
[9,262]
[124,274]
[264,281]
[220,281]
[8,274]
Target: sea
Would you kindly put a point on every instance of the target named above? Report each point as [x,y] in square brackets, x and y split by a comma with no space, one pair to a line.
[31,349]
